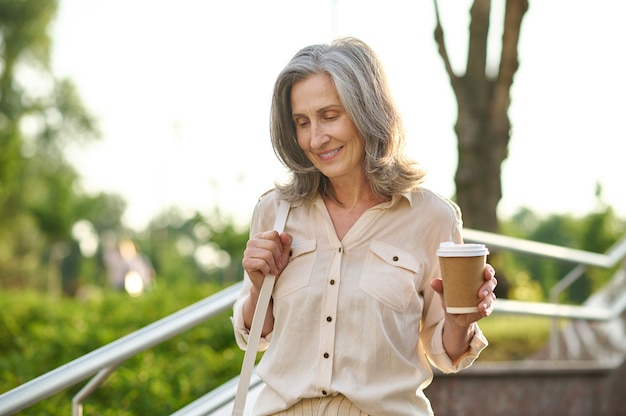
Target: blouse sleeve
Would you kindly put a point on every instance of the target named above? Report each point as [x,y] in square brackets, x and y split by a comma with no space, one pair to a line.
[241,332]
[433,316]
[440,359]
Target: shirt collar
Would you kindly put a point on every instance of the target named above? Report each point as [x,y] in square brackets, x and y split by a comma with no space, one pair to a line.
[408,196]
[396,200]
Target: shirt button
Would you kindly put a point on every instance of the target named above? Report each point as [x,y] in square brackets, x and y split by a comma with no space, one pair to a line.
[395,258]
[324,392]
[340,249]
[326,355]
[332,281]
[329,319]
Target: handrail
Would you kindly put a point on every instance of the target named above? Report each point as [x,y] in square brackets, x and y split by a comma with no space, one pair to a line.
[551,310]
[103,361]
[218,398]
[117,351]
[613,255]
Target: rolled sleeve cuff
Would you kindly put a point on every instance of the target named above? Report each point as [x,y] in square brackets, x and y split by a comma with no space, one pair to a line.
[242,334]
[441,359]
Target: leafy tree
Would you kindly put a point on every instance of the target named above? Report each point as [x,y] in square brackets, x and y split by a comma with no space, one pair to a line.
[23,41]
[483,126]
[40,197]
[197,249]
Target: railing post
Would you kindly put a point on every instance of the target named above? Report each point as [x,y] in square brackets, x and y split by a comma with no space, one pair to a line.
[555,292]
[77,401]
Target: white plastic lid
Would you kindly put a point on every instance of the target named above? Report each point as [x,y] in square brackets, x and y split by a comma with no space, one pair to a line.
[450,249]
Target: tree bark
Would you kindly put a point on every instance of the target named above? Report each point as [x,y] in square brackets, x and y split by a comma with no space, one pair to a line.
[483,125]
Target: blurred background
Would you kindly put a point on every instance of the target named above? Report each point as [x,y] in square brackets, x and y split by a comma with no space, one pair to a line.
[134,145]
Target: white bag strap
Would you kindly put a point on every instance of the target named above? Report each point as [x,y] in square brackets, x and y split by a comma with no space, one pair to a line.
[257,321]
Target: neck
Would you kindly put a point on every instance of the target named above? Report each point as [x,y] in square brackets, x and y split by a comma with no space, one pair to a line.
[354,194]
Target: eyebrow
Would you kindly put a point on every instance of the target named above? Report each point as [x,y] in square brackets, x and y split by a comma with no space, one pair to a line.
[321,110]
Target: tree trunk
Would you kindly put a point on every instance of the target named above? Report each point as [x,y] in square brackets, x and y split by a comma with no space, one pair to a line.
[483,126]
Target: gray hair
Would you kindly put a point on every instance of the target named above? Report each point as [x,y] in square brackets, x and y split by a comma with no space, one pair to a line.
[362,87]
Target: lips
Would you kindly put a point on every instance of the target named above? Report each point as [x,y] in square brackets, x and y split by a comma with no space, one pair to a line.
[329,155]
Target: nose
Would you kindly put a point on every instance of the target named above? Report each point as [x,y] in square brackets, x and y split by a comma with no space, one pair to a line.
[319,137]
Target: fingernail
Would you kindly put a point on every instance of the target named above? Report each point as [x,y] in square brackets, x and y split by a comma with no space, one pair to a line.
[485,293]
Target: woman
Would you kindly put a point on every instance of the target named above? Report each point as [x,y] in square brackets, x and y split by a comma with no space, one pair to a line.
[356,316]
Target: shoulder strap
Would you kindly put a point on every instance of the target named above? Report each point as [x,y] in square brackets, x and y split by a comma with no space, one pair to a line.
[257,321]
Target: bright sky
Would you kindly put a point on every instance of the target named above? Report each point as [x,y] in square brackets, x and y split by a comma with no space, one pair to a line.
[181,89]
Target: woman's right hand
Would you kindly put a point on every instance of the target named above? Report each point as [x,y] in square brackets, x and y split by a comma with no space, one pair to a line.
[266,253]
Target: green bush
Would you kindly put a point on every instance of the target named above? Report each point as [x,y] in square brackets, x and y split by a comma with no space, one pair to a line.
[513,337]
[43,334]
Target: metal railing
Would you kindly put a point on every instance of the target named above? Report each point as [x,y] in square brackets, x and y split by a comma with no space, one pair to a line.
[219,402]
[615,255]
[103,361]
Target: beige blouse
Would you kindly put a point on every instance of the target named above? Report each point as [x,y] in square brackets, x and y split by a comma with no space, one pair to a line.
[358,316]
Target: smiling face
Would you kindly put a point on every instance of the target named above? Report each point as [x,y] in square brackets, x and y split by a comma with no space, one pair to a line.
[325,131]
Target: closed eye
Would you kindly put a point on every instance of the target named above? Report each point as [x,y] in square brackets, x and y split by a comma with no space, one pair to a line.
[301,122]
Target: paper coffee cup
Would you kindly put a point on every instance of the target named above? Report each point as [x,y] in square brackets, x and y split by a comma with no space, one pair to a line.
[462,268]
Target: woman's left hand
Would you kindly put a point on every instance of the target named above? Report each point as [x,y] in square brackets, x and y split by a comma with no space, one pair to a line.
[485,294]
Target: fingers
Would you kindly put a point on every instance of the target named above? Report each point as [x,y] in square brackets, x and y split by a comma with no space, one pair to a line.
[286,240]
[261,253]
[437,285]
[486,292]
[486,306]
[490,272]
[266,253]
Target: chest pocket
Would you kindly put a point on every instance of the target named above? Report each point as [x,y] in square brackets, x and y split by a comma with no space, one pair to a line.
[389,275]
[297,274]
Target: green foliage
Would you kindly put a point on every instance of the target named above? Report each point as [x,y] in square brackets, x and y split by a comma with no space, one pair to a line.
[40,196]
[23,26]
[531,278]
[201,247]
[43,334]
[514,338]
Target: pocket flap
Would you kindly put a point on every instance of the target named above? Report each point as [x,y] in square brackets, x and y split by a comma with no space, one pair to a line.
[301,247]
[394,256]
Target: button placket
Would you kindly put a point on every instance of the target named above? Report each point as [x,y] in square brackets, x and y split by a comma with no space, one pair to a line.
[330,300]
